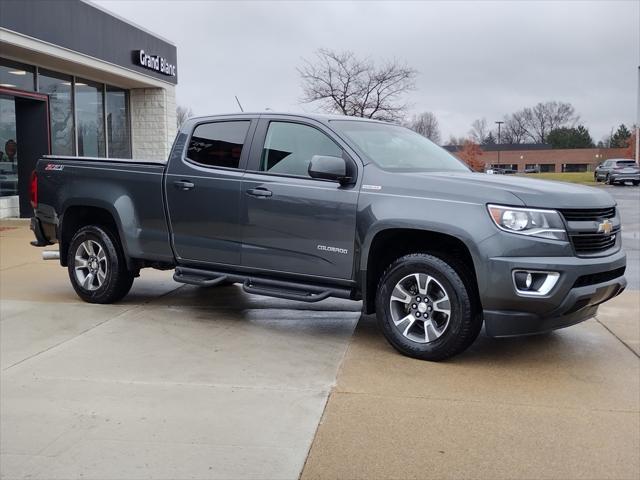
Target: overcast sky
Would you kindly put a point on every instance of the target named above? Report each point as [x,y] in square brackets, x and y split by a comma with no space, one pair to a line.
[475,59]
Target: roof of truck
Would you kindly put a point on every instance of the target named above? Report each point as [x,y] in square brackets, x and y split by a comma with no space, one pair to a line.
[321,117]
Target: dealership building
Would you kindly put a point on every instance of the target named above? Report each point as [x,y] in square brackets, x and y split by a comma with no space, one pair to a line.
[77,80]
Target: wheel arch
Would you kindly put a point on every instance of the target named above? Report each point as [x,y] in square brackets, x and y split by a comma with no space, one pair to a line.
[76,216]
[391,243]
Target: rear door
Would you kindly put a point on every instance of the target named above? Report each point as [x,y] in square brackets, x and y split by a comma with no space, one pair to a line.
[292,222]
[203,192]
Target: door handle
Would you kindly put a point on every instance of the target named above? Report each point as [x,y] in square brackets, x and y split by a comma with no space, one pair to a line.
[183,185]
[259,192]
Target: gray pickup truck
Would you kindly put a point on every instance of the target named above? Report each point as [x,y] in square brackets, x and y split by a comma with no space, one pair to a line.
[306,207]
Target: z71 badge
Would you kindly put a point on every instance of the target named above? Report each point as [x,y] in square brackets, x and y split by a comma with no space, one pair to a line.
[54,166]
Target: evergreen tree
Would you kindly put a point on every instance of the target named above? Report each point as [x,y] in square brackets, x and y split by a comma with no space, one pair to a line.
[570,137]
[620,139]
[489,139]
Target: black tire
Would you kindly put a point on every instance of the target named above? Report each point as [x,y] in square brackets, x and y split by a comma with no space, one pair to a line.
[117,279]
[635,183]
[464,321]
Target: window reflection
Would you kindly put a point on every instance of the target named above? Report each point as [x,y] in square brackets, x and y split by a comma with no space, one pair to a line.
[118,123]
[8,147]
[58,87]
[90,119]
[218,144]
[16,75]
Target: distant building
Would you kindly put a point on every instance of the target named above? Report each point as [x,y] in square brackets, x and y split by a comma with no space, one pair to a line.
[541,156]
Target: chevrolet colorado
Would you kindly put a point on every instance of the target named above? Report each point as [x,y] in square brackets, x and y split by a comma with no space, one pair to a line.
[305,207]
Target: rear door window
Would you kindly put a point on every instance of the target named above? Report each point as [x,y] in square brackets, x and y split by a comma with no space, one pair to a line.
[218,144]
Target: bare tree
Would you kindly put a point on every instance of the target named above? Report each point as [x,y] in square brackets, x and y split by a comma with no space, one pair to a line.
[538,121]
[182,114]
[345,84]
[426,124]
[456,141]
[479,130]
[513,130]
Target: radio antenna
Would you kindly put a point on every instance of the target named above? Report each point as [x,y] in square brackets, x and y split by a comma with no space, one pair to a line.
[241,109]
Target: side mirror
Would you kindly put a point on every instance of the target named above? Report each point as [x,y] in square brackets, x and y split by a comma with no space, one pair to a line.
[329,168]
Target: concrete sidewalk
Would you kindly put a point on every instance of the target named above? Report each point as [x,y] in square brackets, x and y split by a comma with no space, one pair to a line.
[174,382]
[184,382]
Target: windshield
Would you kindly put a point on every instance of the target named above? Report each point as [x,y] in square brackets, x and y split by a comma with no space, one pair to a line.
[398,148]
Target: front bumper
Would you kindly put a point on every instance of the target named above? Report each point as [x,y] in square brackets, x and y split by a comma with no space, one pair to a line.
[583,285]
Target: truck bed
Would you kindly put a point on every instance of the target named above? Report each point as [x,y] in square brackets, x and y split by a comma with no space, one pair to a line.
[130,190]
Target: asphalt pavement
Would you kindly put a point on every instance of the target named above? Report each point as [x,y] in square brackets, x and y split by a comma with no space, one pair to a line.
[628,199]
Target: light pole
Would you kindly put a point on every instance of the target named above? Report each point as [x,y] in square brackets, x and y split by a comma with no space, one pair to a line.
[638,122]
[499,125]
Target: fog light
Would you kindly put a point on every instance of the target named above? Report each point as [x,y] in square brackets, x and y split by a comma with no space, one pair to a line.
[532,282]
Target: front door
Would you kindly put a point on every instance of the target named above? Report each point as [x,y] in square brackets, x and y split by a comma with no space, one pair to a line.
[24,138]
[294,223]
[203,194]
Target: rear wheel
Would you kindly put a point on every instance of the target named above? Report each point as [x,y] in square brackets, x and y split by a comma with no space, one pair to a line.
[424,308]
[96,265]
[636,182]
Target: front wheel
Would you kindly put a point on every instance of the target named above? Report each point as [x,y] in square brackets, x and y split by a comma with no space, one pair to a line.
[425,309]
[96,265]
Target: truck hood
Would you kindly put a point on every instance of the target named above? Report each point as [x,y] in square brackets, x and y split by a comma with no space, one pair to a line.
[484,188]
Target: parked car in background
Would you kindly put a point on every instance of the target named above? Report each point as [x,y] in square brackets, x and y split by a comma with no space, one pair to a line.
[532,170]
[617,170]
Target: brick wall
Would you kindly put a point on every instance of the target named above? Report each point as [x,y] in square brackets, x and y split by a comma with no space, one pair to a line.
[153,122]
[556,157]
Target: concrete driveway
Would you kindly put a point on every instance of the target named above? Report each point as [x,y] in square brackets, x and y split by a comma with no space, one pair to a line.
[174,382]
[182,382]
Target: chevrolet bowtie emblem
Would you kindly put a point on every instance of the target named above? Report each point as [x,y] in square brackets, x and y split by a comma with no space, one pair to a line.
[605,227]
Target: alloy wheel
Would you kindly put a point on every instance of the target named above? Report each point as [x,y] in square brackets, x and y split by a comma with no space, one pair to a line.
[90,265]
[420,308]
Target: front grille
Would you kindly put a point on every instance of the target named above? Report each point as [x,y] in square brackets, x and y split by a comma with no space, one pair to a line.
[599,277]
[591,243]
[588,214]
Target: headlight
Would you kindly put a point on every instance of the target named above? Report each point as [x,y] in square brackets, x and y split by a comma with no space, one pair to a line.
[529,221]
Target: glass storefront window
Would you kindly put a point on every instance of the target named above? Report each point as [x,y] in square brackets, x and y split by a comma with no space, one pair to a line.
[58,87]
[90,118]
[118,136]
[8,147]
[16,75]
[100,125]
